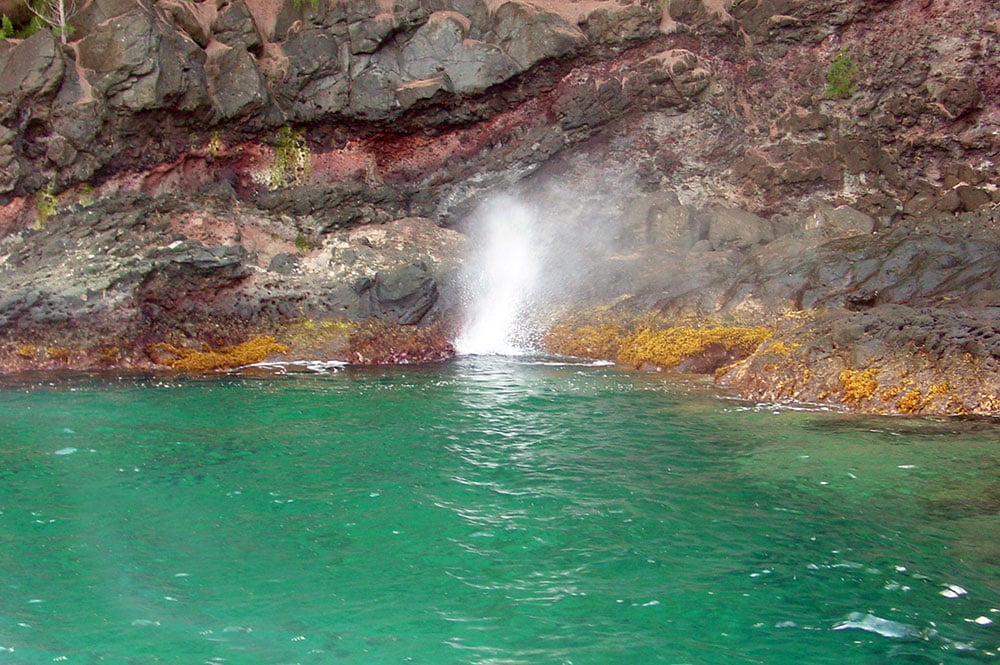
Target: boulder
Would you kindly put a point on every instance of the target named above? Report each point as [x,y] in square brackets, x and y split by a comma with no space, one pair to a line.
[476,11]
[441,46]
[34,67]
[531,35]
[180,81]
[840,221]
[592,103]
[118,52]
[79,122]
[275,18]
[957,95]
[136,61]
[234,26]
[411,92]
[195,19]
[620,24]
[373,93]
[285,264]
[972,198]
[312,79]
[94,13]
[369,32]
[669,223]
[187,281]
[425,52]
[759,18]
[707,16]
[403,296]
[234,81]
[734,228]
[10,168]
[675,76]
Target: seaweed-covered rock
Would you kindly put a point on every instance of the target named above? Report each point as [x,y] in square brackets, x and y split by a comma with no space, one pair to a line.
[888,359]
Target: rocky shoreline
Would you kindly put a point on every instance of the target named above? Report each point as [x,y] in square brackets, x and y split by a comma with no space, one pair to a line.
[248,178]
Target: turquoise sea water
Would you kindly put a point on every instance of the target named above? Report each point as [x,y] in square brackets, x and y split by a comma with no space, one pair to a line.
[490,511]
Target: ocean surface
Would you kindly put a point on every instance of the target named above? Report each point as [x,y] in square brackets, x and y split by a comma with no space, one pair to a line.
[486,511]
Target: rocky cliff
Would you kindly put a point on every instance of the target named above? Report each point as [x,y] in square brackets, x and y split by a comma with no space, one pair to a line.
[185,174]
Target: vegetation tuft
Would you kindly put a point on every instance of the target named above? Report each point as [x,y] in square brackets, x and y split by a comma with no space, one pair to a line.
[840,76]
[45,205]
[303,244]
[291,162]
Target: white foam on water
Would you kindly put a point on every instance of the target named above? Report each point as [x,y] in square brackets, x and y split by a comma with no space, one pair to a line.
[953,591]
[316,366]
[874,624]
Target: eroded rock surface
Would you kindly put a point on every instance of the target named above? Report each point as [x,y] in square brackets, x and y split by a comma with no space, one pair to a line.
[198,172]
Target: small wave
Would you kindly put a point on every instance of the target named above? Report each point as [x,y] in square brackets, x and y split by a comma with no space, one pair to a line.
[568,362]
[884,627]
[314,366]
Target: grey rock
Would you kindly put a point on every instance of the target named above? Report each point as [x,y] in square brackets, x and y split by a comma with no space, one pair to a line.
[285,264]
[368,33]
[119,52]
[314,81]
[433,42]
[194,18]
[235,82]
[442,46]
[35,67]
[972,198]
[10,169]
[60,151]
[403,296]
[234,26]
[373,93]
[686,73]
[732,227]
[476,11]
[707,16]
[531,35]
[669,223]
[958,95]
[840,221]
[330,16]
[93,14]
[79,122]
[180,80]
[621,24]
[412,92]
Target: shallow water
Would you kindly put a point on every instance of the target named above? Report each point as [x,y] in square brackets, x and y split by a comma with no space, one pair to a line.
[486,511]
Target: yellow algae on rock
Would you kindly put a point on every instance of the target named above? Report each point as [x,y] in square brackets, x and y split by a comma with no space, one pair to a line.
[910,402]
[858,385]
[670,347]
[26,351]
[246,353]
[601,342]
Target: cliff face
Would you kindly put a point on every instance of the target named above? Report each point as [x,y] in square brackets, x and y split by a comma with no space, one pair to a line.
[202,171]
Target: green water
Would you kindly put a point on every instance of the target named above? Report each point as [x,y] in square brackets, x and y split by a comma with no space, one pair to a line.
[485,511]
